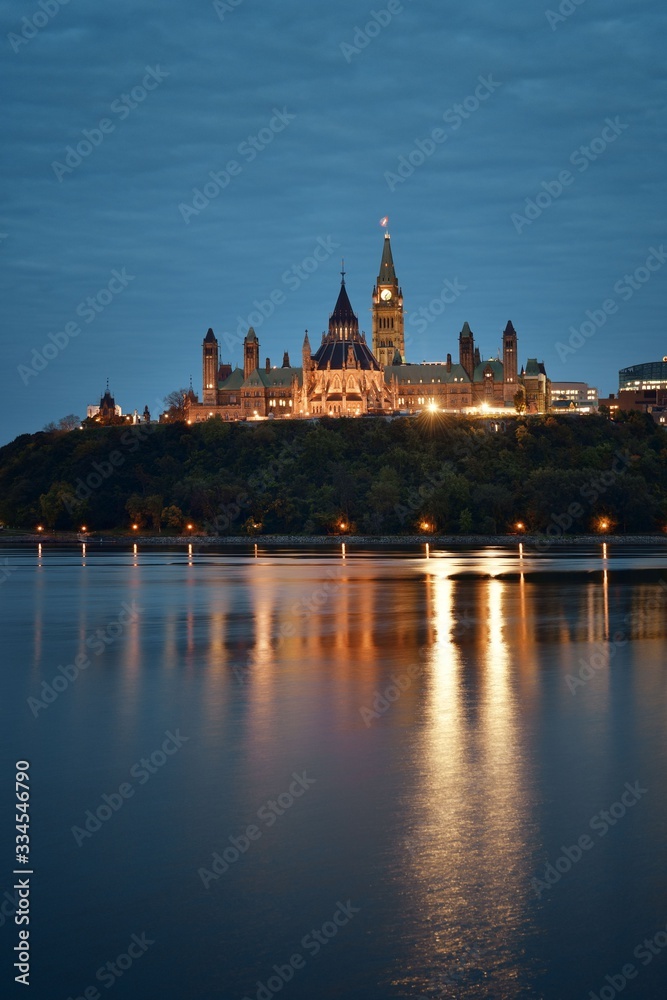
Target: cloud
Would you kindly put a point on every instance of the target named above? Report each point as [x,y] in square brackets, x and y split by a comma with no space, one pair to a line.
[324,175]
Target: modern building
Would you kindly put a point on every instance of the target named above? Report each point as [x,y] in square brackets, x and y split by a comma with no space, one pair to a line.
[641,387]
[345,376]
[573,397]
[650,376]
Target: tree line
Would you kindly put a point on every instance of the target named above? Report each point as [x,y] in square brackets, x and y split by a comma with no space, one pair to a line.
[432,473]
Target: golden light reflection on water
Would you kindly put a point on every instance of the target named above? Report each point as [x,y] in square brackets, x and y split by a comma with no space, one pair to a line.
[472,798]
[314,639]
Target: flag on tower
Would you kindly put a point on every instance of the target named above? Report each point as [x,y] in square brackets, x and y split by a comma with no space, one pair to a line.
[385,222]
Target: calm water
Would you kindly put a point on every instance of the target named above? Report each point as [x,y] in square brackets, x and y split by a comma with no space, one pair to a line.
[445,747]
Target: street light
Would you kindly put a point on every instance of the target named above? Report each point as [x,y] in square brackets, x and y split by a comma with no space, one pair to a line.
[40,528]
[135,527]
[520,526]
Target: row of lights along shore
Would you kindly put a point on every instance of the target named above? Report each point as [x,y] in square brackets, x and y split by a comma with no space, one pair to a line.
[601,525]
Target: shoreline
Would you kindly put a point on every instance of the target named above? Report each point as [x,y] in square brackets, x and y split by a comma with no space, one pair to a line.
[539,542]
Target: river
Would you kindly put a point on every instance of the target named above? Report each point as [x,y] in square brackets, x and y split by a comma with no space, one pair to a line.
[348,774]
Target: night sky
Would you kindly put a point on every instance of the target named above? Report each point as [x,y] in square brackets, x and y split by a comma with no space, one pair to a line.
[305,112]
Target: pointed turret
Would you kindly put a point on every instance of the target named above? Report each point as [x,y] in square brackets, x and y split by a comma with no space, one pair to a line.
[306,354]
[250,353]
[211,361]
[510,355]
[467,350]
[343,322]
[387,274]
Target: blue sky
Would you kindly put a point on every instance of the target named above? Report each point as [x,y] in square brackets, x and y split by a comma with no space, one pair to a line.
[305,114]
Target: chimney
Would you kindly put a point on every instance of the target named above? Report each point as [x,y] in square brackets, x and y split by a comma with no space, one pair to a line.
[268,364]
[449,362]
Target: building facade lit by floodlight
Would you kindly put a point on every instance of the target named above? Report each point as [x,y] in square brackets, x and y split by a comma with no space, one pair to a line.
[347,377]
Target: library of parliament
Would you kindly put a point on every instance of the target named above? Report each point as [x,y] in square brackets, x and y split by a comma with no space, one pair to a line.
[345,377]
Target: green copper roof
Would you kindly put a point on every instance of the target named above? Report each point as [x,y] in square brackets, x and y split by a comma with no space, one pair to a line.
[233,381]
[425,374]
[533,367]
[275,378]
[495,366]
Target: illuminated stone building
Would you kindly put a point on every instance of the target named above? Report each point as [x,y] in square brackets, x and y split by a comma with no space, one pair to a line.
[346,377]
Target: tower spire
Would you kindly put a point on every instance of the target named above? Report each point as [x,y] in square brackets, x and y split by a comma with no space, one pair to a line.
[388,319]
[387,274]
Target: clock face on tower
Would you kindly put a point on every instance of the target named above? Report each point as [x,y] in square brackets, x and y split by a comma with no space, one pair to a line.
[385,295]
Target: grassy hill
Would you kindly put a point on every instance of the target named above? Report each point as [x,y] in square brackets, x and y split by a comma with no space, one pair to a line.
[374,476]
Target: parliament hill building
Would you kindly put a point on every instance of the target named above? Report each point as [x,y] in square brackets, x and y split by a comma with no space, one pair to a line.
[346,377]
